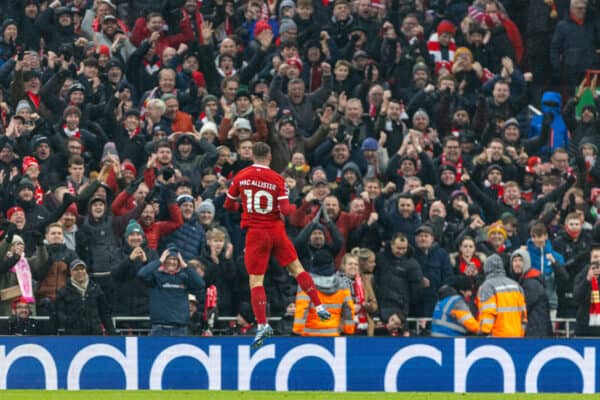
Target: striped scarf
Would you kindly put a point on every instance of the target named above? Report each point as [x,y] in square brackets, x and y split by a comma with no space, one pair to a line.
[595,304]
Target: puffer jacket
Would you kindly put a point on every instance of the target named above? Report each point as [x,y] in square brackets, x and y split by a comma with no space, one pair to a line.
[189,239]
[559,134]
[169,293]
[83,314]
[501,303]
[335,296]
[398,282]
[538,307]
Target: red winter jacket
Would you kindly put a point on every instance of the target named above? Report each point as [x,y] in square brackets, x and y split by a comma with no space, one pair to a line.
[160,229]
[141,32]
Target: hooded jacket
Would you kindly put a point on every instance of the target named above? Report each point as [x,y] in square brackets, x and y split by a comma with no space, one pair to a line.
[559,133]
[501,303]
[538,307]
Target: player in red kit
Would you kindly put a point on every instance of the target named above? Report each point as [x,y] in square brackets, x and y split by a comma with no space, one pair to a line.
[264,199]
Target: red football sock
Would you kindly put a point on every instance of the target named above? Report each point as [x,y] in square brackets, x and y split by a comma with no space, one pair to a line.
[259,304]
[308,286]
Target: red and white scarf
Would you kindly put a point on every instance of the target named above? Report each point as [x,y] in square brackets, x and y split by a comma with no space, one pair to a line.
[594,304]
[435,49]
[457,165]
[71,132]
[359,298]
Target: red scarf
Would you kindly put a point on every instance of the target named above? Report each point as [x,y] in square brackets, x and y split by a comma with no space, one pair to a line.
[572,234]
[594,304]
[70,133]
[501,249]
[499,189]
[359,298]
[133,133]
[458,165]
[35,99]
[527,195]
[579,22]
[39,194]
[211,299]
[462,264]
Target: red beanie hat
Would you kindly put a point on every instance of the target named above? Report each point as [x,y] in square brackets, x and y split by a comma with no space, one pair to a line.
[260,27]
[29,161]
[128,166]
[295,61]
[72,209]
[198,77]
[104,50]
[446,27]
[12,210]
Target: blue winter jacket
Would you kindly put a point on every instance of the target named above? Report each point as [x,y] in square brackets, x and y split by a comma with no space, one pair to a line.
[538,257]
[559,133]
[169,293]
[189,239]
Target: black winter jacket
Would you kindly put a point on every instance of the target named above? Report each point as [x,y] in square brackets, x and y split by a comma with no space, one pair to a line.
[131,295]
[83,315]
[398,281]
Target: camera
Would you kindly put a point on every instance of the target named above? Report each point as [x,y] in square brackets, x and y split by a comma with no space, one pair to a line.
[167,173]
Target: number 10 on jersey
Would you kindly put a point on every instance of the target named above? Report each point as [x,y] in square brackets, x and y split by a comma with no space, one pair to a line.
[253,201]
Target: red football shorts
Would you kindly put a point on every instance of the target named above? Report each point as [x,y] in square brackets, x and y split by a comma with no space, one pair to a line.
[262,243]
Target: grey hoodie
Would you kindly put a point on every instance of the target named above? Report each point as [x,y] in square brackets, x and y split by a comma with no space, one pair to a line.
[524,254]
[493,266]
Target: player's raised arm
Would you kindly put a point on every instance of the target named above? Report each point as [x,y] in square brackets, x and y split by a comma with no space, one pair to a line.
[233,194]
[283,201]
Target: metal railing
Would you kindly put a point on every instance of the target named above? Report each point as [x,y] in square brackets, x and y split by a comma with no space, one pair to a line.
[140,326]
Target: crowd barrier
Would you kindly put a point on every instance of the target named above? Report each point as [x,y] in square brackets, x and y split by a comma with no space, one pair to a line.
[282,364]
[563,327]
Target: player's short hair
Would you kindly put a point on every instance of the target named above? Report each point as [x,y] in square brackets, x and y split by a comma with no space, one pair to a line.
[261,150]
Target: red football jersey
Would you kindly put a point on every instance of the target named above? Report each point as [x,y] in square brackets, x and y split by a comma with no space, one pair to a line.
[262,192]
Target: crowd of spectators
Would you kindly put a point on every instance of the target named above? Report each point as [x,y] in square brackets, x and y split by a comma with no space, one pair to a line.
[434,150]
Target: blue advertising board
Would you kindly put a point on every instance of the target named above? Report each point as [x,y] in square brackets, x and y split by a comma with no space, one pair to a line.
[340,364]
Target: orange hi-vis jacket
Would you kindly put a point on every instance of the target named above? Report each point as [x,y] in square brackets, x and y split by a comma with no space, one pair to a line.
[336,299]
[502,308]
